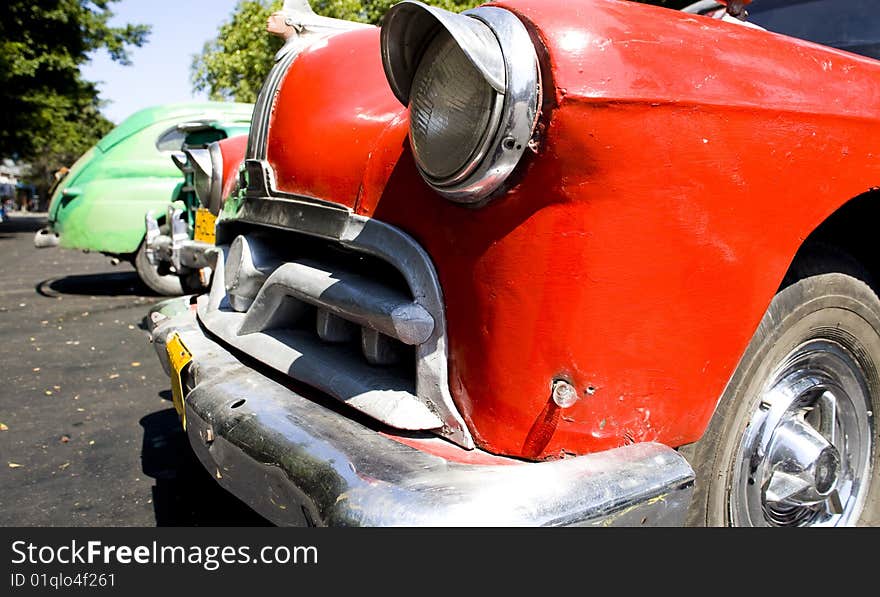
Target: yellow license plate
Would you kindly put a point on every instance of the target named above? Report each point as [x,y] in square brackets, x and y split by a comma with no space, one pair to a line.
[204,230]
[179,356]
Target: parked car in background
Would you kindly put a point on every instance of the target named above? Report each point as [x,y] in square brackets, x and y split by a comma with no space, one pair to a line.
[549,262]
[843,24]
[101,203]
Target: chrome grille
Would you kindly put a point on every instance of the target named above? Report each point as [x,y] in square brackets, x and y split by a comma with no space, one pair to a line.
[339,317]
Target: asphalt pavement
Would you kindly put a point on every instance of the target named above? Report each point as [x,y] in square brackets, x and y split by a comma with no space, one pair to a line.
[88,434]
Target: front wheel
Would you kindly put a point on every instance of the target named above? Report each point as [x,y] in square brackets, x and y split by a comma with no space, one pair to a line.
[793,441]
[169,284]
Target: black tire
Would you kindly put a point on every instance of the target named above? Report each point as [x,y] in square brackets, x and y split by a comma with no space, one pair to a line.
[165,285]
[818,306]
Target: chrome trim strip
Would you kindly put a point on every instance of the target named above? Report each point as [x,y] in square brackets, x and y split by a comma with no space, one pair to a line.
[324,221]
[259,182]
[258,138]
[299,463]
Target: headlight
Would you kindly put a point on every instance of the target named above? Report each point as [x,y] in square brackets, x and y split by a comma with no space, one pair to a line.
[472,84]
[206,168]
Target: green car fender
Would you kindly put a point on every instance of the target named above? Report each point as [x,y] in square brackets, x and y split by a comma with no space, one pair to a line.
[102,217]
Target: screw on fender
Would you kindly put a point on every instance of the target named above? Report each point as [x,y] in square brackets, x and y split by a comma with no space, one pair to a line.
[564,394]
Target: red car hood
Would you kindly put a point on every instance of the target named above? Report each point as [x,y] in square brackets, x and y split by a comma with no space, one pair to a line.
[330,113]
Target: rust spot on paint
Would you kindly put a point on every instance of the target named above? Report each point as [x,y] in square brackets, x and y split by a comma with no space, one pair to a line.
[542,430]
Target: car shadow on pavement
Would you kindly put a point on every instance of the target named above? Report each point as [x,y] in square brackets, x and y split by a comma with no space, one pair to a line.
[109,284]
[185,494]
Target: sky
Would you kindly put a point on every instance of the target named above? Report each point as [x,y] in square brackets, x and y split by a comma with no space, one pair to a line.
[160,70]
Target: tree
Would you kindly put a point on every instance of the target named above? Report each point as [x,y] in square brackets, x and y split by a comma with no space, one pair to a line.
[48,114]
[372,11]
[234,65]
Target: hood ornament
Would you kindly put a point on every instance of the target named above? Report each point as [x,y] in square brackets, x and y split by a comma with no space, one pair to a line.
[298,25]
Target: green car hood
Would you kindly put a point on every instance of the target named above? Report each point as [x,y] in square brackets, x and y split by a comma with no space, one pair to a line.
[180,112]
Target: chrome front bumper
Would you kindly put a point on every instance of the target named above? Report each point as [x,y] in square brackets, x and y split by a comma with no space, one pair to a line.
[177,248]
[298,462]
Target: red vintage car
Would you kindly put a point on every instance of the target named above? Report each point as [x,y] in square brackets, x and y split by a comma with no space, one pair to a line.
[549,262]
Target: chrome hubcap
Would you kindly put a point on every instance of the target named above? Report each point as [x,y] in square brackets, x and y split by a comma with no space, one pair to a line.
[805,457]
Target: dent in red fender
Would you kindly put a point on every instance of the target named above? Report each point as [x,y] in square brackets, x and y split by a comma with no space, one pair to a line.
[684,161]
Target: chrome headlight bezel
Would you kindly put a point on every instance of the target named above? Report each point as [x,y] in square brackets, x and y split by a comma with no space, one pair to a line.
[499,46]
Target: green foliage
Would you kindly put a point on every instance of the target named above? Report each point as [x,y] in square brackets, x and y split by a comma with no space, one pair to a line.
[234,65]
[49,114]
[372,11]
[68,126]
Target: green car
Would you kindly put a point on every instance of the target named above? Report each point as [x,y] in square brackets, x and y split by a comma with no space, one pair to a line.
[102,202]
